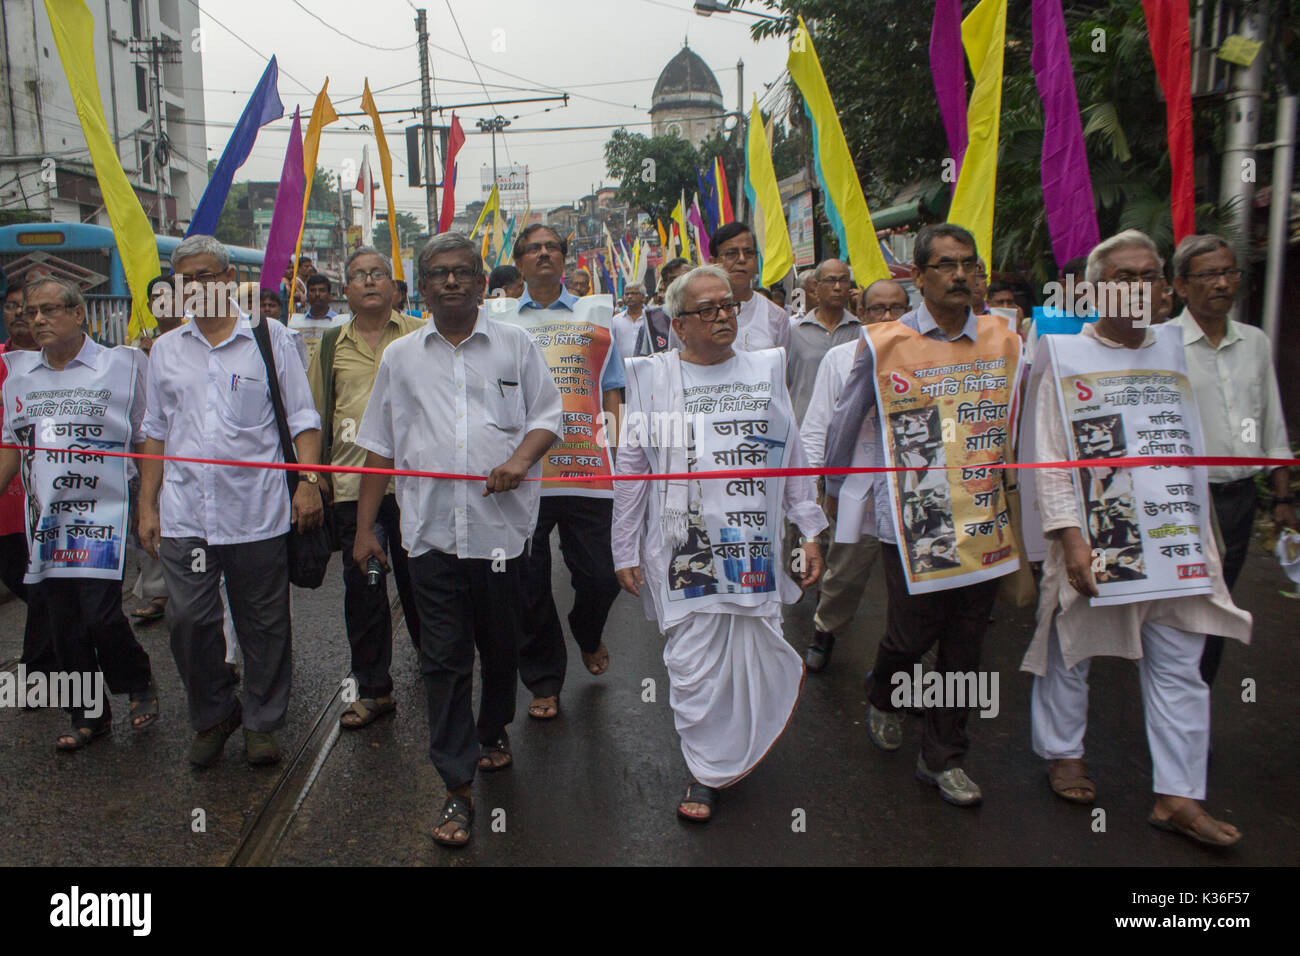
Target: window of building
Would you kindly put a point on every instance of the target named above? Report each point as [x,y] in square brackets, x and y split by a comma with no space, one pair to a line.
[146,162]
[141,89]
[137,19]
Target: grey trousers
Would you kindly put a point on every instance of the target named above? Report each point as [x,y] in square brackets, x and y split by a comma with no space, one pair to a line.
[257,578]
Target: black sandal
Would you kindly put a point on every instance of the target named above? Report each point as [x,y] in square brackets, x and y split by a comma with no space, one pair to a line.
[697,792]
[83,740]
[499,746]
[149,698]
[457,810]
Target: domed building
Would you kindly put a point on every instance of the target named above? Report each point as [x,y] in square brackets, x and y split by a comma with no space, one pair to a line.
[687,99]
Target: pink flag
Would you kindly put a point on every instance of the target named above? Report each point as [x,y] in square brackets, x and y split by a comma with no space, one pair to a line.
[948,70]
[286,218]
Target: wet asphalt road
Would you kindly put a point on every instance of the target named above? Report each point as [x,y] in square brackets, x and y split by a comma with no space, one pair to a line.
[599,784]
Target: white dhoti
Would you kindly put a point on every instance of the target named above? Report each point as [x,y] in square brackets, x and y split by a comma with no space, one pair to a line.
[1175,701]
[734,682]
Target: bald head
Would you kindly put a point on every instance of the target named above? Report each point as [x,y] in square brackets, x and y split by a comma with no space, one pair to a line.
[833,280]
[883,301]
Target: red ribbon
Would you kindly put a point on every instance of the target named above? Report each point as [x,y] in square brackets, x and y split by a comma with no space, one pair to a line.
[1164,460]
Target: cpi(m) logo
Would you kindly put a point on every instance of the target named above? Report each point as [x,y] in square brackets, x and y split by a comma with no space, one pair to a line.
[1083,391]
[901,385]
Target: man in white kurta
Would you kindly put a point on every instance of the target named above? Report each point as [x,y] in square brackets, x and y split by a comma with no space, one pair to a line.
[1165,635]
[700,552]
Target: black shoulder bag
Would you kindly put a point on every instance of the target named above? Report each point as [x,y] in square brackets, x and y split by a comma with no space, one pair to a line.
[309,553]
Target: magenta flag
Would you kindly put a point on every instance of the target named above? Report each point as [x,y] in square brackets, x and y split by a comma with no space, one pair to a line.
[695,219]
[286,218]
[1067,183]
[948,70]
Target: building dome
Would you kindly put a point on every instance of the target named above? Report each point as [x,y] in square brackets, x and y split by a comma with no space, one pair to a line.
[687,100]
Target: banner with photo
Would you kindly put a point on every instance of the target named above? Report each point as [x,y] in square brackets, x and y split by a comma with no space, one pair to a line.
[76,498]
[947,413]
[1148,526]
[577,347]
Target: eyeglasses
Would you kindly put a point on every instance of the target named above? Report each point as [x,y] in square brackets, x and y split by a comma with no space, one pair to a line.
[1152,277]
[711,313]
[735,255]
[949,267]
[1232,275]
[374,275]
[835,280]
[438,275]
[895,310]
[204,277]
[535,247]
[32,311]
[14,305]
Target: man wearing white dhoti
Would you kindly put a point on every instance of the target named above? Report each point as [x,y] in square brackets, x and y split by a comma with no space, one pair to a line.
[1132,570]
[699,553]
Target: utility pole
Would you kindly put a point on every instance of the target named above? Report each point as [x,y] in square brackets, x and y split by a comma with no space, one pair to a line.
[156,51]
[426,112]
[1241,134]
[741,130]
[496,124]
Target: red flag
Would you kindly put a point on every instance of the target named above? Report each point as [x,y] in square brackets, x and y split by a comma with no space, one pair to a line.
[455,140]
[724,195]
[1171,50]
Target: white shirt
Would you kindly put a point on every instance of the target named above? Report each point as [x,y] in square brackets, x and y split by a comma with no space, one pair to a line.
[461,410]
[313,330]
[831,376]
[626,330]
[210,401]
[761,324]
[1236,394]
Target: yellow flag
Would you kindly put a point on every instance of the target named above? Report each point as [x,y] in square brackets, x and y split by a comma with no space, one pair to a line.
[322,114]
[846,206]
[774,252]
[982,34]
[679,217]
[386,167]
[493,204]
[74,33]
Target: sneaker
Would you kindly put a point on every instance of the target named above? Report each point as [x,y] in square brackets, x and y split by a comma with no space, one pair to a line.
[954,786]
[885,729]
[208,744]
[818,654]
[260,748]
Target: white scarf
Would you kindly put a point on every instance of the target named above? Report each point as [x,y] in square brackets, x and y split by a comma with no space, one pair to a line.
[677,499]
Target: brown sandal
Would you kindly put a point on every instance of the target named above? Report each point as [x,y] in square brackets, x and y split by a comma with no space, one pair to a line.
[1071,774]
[1183,821]
[540,705]
[597,662]
[366,711]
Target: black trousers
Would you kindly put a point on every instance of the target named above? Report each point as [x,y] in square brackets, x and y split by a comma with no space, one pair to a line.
[1235,504]
[38,652]
[463,604]
[957,619]
[584,525]
[366,611]
[84,619]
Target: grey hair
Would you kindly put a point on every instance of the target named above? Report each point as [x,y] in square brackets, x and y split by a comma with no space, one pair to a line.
[809,277]
[367,251]
[1123,240]
[675,297]
[634,287]
[69,291]
[198,245]
[1199,245]
[449,242]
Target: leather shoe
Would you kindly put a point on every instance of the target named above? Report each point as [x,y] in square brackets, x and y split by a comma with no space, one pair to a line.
[818,654]
[208,744]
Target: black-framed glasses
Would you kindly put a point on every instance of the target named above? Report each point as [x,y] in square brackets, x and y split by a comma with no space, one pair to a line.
[735,255]
[376,274]
[894,310]
[711,313]
[32,311]
[949,267]
[203,277]
[836,280]
[1232,275]
[535,247]
[438,275]
[1152,277]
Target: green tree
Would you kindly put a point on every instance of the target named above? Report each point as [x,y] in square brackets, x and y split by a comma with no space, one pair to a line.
[652,172]
[409,229]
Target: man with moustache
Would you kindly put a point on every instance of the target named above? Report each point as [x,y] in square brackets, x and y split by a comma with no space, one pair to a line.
[761,324]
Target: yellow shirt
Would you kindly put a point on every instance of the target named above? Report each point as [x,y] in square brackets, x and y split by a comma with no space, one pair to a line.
[355,367]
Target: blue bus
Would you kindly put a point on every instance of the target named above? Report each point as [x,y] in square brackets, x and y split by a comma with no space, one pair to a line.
[87,255]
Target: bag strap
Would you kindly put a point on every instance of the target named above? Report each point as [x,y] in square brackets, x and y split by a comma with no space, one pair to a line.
[328,344]
[263,338]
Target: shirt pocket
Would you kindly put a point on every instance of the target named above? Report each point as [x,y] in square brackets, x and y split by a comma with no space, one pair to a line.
[503,405]
[248,401]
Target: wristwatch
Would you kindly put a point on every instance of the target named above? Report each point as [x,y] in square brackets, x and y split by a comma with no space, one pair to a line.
[310,477]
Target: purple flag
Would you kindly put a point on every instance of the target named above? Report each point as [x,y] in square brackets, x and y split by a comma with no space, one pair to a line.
[1067,183]
[286,218]
[695,219]
[948,70]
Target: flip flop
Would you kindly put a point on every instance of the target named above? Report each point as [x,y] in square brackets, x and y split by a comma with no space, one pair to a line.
[538,703]
[149,698]
[82,740]
[1183,822]
[597,662]
[153,611]
[1071,774]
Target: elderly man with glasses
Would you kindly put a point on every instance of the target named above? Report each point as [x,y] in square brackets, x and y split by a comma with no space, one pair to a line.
[699,553]
[1230,365]
[463,395]
[70,400]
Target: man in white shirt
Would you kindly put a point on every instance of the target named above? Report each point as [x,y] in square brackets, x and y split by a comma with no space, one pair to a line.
[627,325]
[209,397]
[761,324]
[848,566]
[1230,366]
[465,395]
[319,317]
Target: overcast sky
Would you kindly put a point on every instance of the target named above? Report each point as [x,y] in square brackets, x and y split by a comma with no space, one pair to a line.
[606,54]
